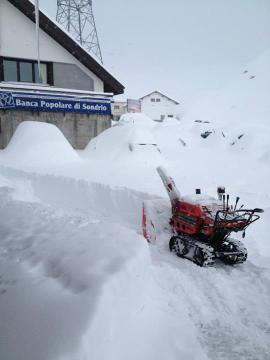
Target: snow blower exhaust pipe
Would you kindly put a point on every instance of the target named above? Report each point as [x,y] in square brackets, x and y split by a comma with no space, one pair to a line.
[169,184]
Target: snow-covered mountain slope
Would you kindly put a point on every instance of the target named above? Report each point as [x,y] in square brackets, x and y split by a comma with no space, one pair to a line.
[241,110]
[77,278]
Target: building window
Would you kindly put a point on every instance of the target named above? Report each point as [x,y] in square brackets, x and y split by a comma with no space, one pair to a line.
[157,100]
[43,73]
[116,107]
[153,100]
[170,116]
[10,70]
[25,71]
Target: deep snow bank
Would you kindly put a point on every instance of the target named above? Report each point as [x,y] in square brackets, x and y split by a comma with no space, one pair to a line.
[121,205]
[119,142]
[53,268]
[76,281]
[138,119]
[124,155]
[38,145]
[223,138]
[241,108]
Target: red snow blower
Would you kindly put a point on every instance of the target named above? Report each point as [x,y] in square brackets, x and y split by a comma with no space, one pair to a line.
[202,225]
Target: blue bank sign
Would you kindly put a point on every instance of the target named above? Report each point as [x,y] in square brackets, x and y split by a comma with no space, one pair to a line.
[54,103]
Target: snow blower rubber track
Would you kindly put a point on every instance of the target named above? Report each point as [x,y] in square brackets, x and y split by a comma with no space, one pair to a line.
[192,249]
[232,252]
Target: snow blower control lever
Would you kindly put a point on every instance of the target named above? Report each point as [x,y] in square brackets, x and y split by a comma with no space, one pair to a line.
[202,225]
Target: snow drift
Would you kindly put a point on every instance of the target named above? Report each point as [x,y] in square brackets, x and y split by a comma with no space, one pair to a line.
[68,261]
[38,145]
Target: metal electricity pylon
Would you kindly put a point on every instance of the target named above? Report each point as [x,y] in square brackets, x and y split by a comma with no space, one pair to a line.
[77,17]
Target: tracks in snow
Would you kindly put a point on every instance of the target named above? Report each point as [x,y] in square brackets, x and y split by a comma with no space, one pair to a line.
[228,306]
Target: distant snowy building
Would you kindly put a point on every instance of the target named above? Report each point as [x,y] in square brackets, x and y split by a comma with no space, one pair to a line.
[159,106]
[74,90]
[119,108]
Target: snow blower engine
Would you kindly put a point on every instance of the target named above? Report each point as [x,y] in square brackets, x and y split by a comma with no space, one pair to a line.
[202,225]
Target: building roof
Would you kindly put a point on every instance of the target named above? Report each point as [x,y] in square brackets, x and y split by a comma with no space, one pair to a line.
[61,37]
[176,102]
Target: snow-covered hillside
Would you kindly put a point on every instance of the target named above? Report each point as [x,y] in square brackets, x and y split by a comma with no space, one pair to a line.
[77,278]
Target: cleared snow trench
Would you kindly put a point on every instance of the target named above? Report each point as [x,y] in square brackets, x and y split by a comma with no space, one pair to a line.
[78,281]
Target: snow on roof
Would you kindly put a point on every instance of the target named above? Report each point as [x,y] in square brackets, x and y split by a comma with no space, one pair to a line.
[156,91]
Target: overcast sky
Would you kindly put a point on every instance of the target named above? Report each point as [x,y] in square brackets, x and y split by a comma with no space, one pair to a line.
[180,47]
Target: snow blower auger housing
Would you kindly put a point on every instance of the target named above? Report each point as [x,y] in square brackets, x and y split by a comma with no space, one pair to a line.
[202,225]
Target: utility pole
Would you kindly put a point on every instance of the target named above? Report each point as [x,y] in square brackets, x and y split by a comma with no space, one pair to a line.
[37,39]
[77,17]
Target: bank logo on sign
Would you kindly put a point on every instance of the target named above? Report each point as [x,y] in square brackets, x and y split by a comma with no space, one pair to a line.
[6,101]
[47,102]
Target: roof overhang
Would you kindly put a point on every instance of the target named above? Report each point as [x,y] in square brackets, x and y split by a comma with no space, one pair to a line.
[156,91]
[63,39]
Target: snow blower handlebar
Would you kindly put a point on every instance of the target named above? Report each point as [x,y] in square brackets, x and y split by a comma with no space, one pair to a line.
[236,220]
[258,210]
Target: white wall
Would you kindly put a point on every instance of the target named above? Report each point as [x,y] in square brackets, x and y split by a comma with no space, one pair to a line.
[17,39]
[119,108]
[156,109]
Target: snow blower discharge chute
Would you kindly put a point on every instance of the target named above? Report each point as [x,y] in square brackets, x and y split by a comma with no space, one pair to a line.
[202,225]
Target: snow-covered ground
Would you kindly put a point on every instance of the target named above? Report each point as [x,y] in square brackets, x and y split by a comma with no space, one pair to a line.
[77,278]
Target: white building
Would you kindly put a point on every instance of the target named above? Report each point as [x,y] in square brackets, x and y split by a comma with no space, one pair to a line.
[77,88]
[119,108]
[159,106]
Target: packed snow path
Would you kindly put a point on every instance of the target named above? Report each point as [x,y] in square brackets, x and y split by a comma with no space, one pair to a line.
[228,305]
[66,255]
